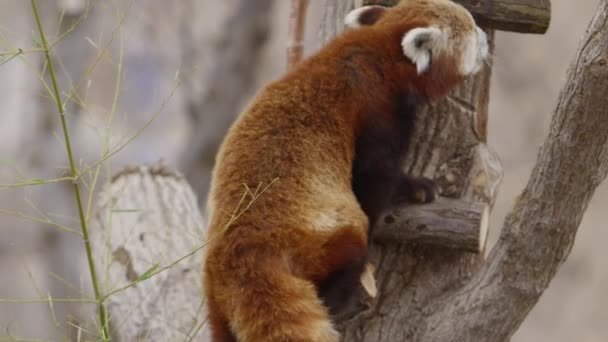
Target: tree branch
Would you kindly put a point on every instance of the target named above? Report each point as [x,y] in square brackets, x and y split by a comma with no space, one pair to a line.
[297,23]
[445,223]
[525,16]
[539,233]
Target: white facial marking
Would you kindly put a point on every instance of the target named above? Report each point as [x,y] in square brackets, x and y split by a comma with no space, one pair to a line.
[475,51]
[420,44]
[484,49]
[469,54]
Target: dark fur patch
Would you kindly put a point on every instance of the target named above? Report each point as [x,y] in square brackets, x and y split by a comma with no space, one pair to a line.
[379,149]
[346,255]
[341,285]
[371,15]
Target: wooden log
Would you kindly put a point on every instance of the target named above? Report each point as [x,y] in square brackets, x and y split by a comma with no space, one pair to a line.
[525,16]
[445,223]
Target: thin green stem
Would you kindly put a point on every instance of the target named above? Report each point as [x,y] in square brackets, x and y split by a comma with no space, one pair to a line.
[83,222]
[19,51]
[35,182]
[155,269]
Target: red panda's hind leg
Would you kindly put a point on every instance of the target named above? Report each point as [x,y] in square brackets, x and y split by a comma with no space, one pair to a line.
[340,287]
[220,330]
[346,254]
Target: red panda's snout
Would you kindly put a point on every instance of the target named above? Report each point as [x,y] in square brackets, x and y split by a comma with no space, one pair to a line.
[475,52]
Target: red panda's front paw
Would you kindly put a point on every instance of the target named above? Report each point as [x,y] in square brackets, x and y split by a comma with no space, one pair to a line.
[425,190]
[416,190]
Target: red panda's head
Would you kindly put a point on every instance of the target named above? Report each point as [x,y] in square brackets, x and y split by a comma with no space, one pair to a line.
[446,30]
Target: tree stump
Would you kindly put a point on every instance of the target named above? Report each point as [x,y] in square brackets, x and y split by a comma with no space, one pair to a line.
[148,218]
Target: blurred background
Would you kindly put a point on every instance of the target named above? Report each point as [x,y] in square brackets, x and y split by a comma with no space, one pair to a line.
[174,74]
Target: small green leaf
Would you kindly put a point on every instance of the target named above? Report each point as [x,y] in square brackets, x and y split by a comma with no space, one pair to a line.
[148,273]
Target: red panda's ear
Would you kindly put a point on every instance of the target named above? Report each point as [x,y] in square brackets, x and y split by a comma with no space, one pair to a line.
[420,43]
[364,16]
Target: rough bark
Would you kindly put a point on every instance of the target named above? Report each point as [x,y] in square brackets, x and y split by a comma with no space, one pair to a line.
[148,218]
[332,23]
[526,16]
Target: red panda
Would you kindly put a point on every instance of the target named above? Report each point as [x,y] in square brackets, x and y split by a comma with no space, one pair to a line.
[324,143]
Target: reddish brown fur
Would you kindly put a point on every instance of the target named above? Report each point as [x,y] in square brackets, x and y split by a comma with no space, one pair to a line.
[262,272]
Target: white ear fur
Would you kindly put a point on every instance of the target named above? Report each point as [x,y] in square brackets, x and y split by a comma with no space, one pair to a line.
[420,43]
[363,16]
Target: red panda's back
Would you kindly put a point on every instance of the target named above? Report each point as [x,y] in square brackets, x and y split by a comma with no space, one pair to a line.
[288,145]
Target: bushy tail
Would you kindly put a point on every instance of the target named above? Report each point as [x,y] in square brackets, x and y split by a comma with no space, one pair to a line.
[272,305]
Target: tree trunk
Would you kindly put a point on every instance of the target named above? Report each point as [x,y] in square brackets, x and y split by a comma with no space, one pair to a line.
[448,145]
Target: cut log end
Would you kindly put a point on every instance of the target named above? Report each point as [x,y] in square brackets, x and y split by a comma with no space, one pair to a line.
[449,223]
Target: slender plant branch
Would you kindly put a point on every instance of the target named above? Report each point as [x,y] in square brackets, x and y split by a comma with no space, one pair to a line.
[121,146]
[35,182]
[83,222]
[18,52]
[238,211]
[43,220]
[106,144]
